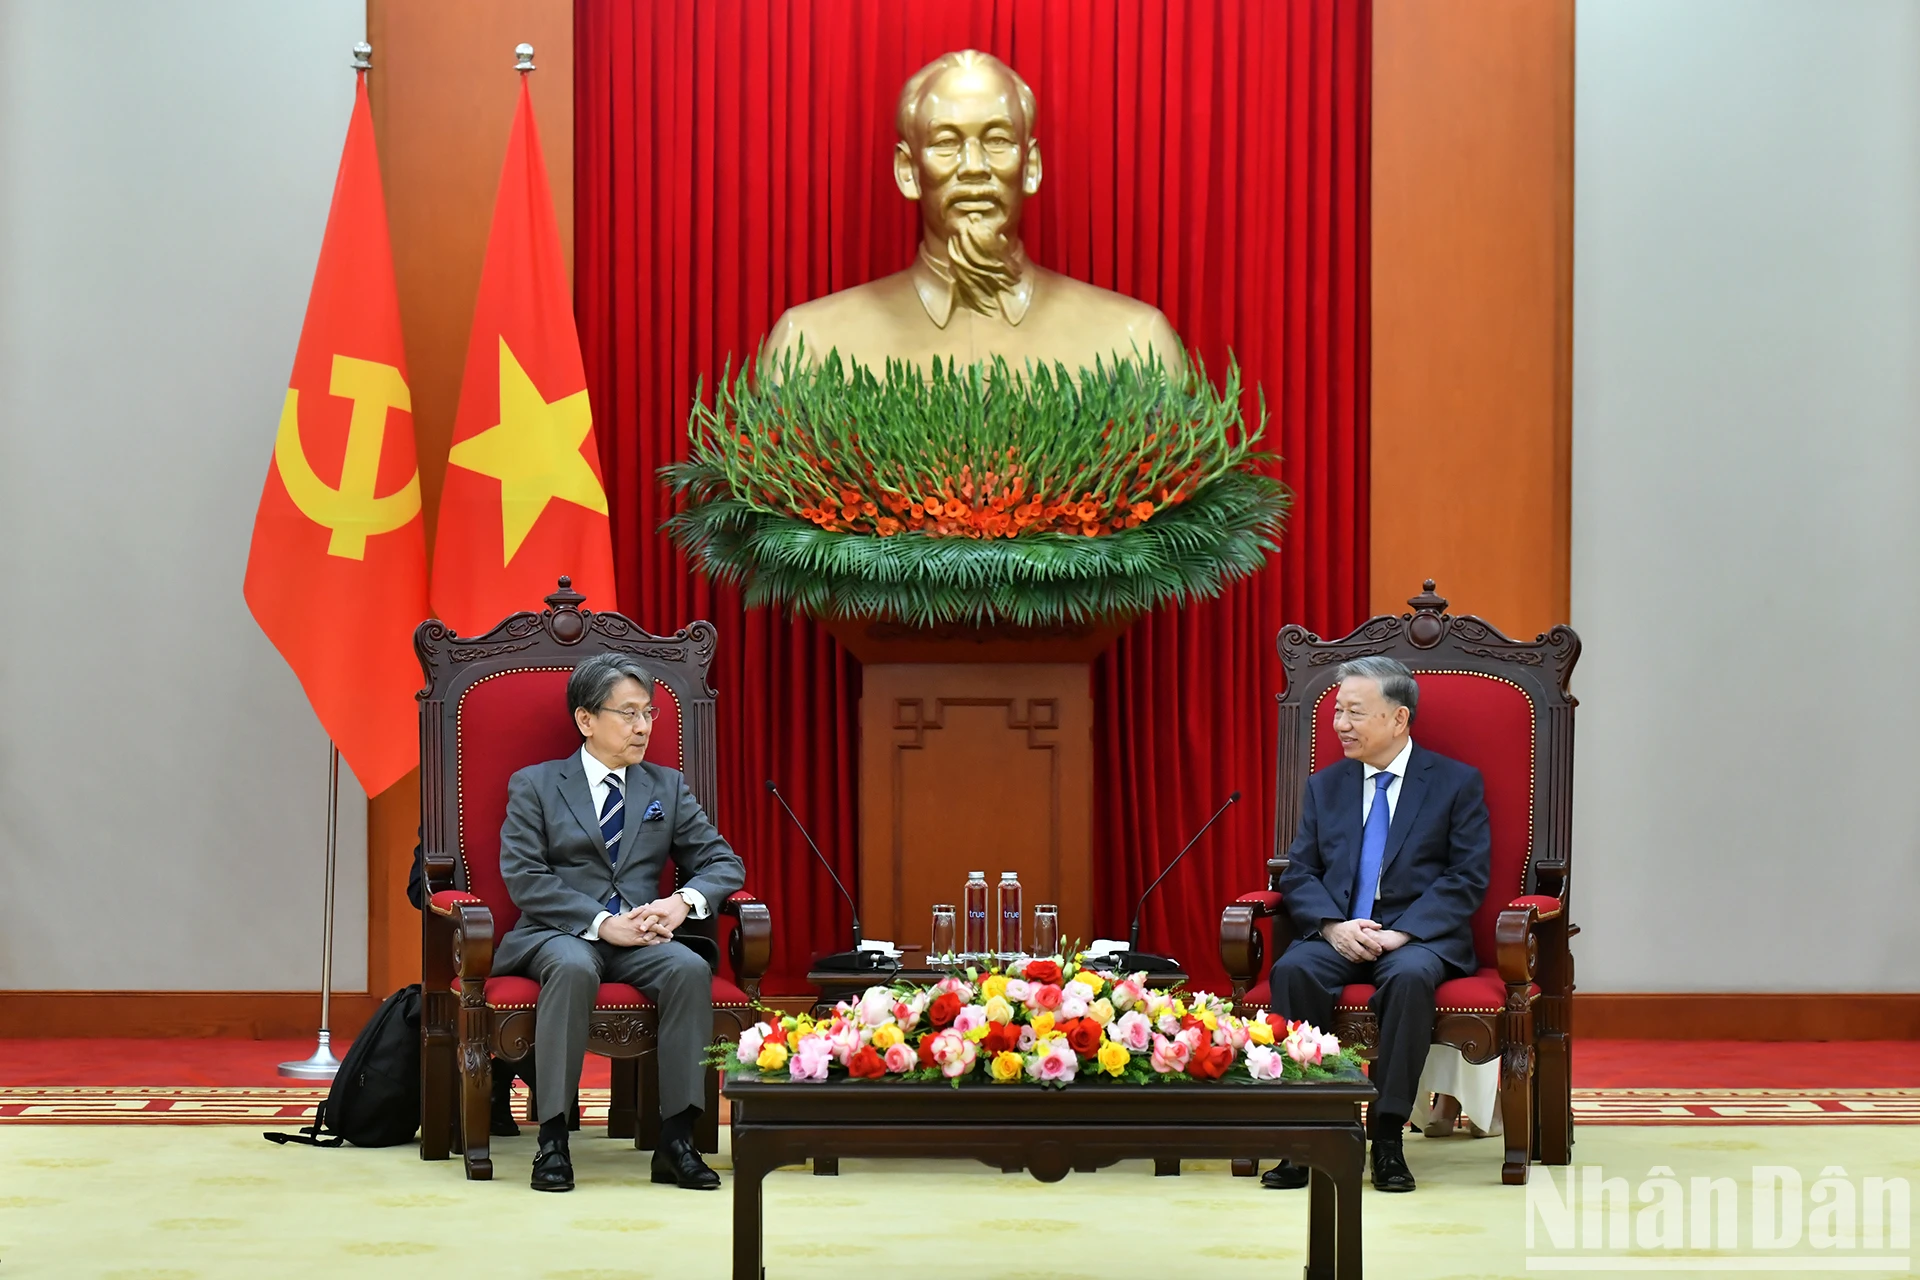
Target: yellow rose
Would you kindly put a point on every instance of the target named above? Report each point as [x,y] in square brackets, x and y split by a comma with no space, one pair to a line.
[1042,1024]
[1101,1011]
[885,1037]
[999,1010]
[772,1056]
[1007,1066]
[1179,1007]
[994,985]
[1259,1031]
[1089,979]
[1209,1019]
[1114,1057]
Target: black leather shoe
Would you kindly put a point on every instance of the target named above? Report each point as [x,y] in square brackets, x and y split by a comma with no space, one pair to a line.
[1390,1172]
[677,1161]
[553,1168]
[1286,1176]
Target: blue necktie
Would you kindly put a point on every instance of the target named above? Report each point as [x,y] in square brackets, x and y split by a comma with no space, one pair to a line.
[612,819]
[1373,847]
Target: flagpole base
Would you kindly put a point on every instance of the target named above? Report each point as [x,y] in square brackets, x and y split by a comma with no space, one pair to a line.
[321,1066]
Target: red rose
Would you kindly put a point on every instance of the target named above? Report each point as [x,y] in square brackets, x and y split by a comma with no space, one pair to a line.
[1042,971]
[1083,1036]
[1000,1038]
[926,1050]
[1210,1061]
[1190,1021]
[946,1007]
[865,1064]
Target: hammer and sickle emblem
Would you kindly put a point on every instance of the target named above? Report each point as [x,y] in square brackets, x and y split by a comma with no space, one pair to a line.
[351,511]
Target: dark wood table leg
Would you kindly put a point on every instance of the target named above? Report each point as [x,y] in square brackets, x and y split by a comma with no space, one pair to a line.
[1347,1182]
[826,1166]
[1166,1166]
[749,1172]
[1322,1225]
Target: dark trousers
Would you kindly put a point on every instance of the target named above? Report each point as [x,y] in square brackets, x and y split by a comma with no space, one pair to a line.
[1307,978]
[570,971]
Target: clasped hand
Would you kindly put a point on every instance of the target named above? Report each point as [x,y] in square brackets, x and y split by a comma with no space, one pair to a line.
[647,925]
[1363,940]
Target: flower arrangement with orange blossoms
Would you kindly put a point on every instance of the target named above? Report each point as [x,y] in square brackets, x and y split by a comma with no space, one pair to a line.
[1152,466]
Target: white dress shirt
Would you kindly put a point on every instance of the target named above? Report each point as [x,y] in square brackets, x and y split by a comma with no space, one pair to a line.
[597,775]
[1398,768]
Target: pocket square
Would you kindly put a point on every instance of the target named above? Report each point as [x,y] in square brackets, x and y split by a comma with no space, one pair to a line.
[654,813]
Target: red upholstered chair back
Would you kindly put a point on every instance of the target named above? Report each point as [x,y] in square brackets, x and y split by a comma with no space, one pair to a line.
[505,722]
[1486,722]
[497,703]
[1500,705]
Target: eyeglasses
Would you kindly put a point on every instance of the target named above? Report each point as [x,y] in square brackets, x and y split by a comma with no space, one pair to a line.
[633,716]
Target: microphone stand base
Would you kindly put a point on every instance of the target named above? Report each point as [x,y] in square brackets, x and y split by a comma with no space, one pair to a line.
[1134,962]
[856,962]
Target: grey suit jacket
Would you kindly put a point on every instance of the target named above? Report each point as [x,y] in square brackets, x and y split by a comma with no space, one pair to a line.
[557,867]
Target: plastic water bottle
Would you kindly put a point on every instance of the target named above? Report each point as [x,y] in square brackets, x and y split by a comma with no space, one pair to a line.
[1008,893]
[973,942]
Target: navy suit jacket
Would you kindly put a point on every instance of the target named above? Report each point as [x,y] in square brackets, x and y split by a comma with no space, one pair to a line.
[1435,869]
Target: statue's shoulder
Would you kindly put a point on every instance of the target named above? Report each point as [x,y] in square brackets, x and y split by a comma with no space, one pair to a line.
[834,315]
[1114,314]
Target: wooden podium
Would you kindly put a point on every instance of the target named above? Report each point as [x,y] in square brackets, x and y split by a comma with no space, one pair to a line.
[976,753]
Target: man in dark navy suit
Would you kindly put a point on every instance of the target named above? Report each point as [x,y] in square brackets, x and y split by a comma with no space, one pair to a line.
[1389,864]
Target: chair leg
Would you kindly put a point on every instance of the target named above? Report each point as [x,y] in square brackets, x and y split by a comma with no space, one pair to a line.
[1244,1168]
[646,1136]
[439,1072]
[1554,1100]
[626,1093]
[1516,1111]
[706,1131]
[476,1092]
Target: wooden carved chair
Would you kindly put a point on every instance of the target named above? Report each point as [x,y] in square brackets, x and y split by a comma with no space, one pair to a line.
[1502,706]
[494,704]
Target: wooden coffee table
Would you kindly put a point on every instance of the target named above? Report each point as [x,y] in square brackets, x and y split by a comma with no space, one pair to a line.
[1052,1132]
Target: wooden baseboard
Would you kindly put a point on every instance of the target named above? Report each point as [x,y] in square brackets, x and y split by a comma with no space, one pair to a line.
[287,1015]
[1888,1015]
[233,1015]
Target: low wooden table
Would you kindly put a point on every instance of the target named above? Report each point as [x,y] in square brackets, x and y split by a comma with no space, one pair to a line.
[1051,1132]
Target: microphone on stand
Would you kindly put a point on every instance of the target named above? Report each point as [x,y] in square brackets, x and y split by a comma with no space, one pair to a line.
[859,958]
[1132,959]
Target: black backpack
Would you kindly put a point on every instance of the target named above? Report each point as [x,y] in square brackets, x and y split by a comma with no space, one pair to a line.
[375,1099]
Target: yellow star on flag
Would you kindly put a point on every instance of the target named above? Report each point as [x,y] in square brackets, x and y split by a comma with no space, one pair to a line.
[534,452]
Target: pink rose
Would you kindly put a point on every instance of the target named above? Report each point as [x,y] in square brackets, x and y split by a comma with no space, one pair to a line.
[953,1053]
[1026,1038]
[1127,993]
[1045,997]
[750,1041]
[1058,1063]
[876,1006]
[843,1042]
[1304,1048]
[1018,990]
[969,1018]
[1170,1056]
[901,1059]
[1072,1003]
[1264,1064]
[1132,1030]
[810,1059]
[956,986]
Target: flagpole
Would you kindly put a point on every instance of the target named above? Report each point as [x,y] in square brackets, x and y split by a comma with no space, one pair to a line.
[323,1065]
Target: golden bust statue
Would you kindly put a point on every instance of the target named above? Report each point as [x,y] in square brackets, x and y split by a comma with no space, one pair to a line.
[968,158]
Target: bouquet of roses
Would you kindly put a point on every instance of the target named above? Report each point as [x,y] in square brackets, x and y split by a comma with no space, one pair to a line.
[1045,1020]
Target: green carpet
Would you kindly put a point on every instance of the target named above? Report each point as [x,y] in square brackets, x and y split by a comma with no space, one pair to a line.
[182,1203]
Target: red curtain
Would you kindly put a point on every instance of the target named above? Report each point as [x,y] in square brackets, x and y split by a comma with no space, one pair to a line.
[1208,156]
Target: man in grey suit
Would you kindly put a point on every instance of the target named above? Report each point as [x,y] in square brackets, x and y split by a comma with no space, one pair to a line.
[582,851]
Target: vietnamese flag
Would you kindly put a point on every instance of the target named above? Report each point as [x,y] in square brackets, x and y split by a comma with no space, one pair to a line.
[337,575]
[523,501]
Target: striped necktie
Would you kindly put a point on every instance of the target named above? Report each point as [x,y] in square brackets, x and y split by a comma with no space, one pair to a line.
[612,820]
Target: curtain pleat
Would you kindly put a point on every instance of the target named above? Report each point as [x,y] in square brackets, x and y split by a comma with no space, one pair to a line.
[1207,156]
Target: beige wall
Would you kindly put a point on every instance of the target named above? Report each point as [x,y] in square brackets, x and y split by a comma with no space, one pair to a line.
[1746,494]
[167,170]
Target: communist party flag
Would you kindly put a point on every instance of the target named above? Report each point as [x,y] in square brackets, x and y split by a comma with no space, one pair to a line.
[523,501]
[337,575]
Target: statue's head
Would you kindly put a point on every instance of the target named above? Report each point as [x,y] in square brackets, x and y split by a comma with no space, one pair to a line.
[968,158]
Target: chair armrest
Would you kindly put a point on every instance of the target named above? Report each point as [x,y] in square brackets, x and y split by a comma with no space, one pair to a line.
[1242,948]
[472,923]
[750,950]
[438,865]
[1516,937]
